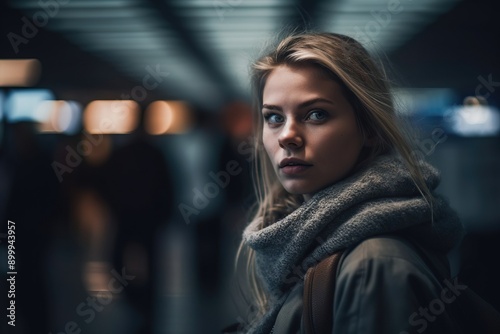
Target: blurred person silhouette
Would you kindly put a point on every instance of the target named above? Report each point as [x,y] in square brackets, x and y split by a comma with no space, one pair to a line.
[31,205]
[90,212]
[121,194]
[218,149]
[221,186]
[84,227]
[139,190]
[236,122]
[480,247]
[236,127]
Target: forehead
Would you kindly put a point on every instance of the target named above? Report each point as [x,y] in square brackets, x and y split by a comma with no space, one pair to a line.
[290,82]
[303,77]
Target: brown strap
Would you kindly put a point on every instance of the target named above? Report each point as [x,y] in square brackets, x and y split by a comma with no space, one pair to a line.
[319,290]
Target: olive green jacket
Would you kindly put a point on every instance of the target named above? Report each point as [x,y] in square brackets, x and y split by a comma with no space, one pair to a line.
[383,286]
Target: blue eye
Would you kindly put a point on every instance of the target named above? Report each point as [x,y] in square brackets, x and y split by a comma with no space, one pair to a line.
[317,115]
[273,118]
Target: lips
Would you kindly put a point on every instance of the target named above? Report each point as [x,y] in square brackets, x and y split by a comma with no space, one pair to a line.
[293,162]
[293,166]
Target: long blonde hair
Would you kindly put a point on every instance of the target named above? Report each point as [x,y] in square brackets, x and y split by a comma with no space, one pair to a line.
[367,88]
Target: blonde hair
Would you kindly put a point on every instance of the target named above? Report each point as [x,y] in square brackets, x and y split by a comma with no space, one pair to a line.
[366,86]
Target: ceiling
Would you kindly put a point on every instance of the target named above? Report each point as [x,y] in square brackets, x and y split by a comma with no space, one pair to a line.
[201,48]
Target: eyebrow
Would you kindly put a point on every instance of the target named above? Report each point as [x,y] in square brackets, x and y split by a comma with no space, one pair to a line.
[302,105]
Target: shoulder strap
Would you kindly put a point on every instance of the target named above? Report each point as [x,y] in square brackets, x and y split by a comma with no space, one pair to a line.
[319,290]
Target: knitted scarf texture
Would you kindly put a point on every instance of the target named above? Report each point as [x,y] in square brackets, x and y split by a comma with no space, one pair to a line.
[378,199]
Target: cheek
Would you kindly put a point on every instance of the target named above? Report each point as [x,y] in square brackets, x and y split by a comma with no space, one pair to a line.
[340,148]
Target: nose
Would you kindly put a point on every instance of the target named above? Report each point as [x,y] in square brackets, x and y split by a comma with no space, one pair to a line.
[290,136]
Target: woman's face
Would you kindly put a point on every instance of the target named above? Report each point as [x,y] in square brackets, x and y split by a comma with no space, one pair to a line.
[307,117]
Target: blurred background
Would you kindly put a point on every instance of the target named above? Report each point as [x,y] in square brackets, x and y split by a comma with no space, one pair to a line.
[125,148]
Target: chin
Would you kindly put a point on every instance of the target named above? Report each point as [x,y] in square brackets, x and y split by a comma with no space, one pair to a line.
[297,189]
[305,189]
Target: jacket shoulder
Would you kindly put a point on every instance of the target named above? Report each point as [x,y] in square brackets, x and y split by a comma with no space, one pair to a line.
[381,283]
[381,249]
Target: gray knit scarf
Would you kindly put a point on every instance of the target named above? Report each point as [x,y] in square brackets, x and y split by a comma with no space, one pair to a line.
[378,199]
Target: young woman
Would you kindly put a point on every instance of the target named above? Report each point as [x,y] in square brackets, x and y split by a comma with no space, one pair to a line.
[334,171]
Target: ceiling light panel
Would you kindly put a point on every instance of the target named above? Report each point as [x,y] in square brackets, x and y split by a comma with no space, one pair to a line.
[132,36]
[380,24]
[232,30]
[30,4]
